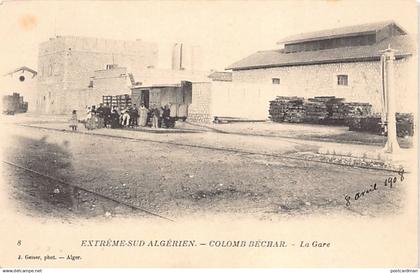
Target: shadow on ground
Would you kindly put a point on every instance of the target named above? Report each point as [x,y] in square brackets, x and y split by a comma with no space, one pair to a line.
[52,193]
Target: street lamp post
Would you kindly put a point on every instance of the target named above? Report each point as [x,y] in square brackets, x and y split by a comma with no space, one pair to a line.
[387,62]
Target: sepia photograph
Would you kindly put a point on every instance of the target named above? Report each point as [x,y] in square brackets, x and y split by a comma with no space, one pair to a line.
[209,134]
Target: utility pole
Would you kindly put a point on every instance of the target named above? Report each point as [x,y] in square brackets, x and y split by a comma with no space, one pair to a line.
[387,64]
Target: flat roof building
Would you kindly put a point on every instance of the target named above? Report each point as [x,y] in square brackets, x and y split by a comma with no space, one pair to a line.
[66,65]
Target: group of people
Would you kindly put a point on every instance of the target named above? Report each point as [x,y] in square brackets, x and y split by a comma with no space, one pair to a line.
[105,116]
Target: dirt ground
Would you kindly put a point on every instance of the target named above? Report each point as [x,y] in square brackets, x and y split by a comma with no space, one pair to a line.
[325,133]
[313,132]
[177,181]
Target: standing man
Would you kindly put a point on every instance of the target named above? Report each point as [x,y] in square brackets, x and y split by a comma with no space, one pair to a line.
[155,117]
[107,115]
[166,116]
[134,116]
[101,115]
[115,118]
[143,112]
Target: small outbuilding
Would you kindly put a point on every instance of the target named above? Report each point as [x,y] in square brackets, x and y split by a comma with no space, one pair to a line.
[177,96]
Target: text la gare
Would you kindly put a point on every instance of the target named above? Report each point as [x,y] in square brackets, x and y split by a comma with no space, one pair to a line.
[314,244]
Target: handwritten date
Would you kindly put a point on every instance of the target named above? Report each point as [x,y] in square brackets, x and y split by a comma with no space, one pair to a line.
[389,182]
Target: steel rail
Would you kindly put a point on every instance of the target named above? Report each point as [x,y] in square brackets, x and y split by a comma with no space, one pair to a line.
[85,190]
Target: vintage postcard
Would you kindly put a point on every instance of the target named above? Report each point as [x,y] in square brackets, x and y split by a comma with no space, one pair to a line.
[209,134]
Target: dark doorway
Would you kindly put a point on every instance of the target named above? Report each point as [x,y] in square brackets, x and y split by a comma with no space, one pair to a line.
[145,97]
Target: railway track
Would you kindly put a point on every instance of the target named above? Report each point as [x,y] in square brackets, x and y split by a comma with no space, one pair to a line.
[62,182]
[230,150]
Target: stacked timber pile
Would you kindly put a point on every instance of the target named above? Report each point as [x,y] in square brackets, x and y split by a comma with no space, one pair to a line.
[121,101]
[357,109]
[405,124]
[338,112]
[359,118]
[277,110]
[373,124]
[331,110]
[316,112]
[295,112]
[285,109]
[316,109]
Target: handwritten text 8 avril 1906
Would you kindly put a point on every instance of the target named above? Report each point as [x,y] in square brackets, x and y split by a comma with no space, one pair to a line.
[389,182]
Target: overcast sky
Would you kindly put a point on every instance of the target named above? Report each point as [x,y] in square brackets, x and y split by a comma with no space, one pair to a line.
[226,31]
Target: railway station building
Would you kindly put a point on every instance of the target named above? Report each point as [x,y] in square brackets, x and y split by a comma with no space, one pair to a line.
[75,72]
[342,62]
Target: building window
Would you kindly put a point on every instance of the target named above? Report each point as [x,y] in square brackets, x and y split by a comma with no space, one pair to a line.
[343,80]
[111,66]
[275,80]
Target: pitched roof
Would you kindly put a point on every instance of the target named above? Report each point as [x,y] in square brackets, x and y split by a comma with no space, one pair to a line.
[274,58]
[23,68]
[221,76]
[339,32]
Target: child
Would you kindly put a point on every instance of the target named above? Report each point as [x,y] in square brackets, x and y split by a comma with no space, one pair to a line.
[73,121]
